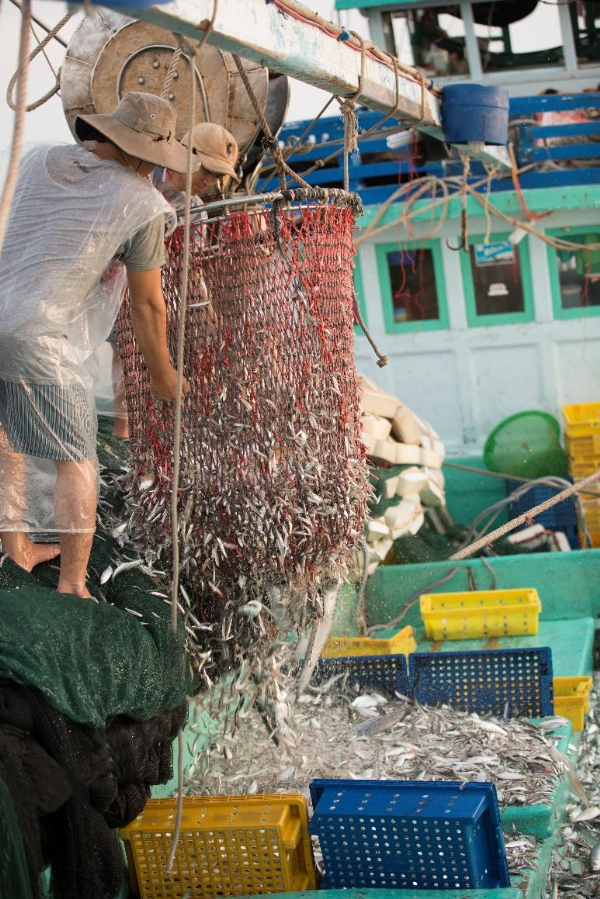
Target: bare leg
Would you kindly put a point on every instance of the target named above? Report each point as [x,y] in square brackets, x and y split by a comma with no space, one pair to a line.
[15,542]
[75,500]
[121,423]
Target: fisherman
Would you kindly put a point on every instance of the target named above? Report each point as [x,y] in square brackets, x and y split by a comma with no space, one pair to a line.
[76,210]
[217,152]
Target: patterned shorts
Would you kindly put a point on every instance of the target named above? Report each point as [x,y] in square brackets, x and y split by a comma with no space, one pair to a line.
[48,421]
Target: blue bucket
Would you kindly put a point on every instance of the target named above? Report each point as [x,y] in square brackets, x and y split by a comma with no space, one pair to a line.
[472,112]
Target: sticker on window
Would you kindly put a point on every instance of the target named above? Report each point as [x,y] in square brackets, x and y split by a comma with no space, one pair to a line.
[500,252]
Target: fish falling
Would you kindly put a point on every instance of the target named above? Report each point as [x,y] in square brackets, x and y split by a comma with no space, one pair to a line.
[274,480]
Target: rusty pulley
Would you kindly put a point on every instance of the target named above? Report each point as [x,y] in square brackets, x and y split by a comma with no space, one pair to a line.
[110,54]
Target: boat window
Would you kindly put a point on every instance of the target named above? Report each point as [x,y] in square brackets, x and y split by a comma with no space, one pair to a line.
[411,280]
[519,35]
[414,294]
[579,273]
[585,18]
[497,282]
[497,278]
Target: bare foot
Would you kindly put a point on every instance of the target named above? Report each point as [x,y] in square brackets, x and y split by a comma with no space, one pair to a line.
[27,554]
[76,589]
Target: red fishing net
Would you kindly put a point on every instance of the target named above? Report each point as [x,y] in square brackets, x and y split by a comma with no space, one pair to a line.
[274,488]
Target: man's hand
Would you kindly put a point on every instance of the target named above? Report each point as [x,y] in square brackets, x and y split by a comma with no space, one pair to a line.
[165,387]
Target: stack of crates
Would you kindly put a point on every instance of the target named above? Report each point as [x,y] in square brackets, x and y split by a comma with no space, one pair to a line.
[582,436]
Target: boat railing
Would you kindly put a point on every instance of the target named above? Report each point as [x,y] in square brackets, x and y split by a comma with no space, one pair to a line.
[555,137]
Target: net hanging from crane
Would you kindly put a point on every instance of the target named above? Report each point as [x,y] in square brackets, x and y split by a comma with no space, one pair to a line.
[274,480]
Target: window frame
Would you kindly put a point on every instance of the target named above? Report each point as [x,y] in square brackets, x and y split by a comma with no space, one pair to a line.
[476,319]
[559,311]
[442,323]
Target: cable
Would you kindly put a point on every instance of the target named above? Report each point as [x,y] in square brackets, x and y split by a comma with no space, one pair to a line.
[414,598]
[41,24]
[523,519]
[12,173]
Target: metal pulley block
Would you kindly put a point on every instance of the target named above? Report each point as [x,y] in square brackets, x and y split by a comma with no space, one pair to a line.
[110,54]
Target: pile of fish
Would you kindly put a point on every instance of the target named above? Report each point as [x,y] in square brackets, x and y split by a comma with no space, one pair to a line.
[575,870]
[345,735]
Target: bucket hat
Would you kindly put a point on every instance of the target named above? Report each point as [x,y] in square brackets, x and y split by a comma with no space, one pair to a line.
[215,147]
[143,126]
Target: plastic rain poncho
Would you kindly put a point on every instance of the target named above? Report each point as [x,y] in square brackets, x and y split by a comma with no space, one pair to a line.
[71,215]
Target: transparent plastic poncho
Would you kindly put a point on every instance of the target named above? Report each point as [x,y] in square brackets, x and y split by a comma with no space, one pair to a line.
[60,292]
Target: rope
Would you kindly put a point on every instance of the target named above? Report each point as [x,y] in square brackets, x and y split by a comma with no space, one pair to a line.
[178,409]
[17,138]
[347,107]
[270,142]
[40,23]
[523,519]
[21,72]
[382,360]
[171,71]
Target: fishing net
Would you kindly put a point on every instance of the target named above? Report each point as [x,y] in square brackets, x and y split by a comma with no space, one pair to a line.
[274,480]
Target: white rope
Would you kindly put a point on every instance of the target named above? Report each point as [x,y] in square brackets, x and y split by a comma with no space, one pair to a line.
[523,519]
[178,410]
[17,139]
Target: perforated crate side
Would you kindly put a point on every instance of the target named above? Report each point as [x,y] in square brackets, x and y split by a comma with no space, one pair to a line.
[411,834]
[228,846]
[504,682]
[555,519]
[388,673]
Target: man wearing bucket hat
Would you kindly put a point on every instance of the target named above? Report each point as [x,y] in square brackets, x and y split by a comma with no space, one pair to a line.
[77,209]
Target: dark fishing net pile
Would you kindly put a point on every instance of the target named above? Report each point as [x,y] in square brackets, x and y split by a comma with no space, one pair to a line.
[273,489]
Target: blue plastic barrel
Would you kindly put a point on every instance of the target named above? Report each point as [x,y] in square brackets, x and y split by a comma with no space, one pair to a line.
[472,112]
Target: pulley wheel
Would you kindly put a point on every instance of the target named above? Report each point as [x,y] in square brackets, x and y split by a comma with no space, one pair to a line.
[110,54]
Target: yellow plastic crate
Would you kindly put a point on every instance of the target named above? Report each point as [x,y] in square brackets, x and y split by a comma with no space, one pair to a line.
[401,643]
[582,469]
[594,536]
[480,613]
[591,513]
[583,447]
[572,699]
[228,846]
[582,419]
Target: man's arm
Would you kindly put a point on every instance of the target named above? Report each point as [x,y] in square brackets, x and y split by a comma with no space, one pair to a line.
[149,319]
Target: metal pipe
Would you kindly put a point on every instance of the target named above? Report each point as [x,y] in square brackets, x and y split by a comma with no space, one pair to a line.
[239,201]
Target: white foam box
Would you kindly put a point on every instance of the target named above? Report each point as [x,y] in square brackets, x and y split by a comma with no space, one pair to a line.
[370,442]
[430,459]
[400,515]
[411,481]
[436,475]
[386,451]
[390,487]
[405,426]
[431,495]
[378,404]
[382,548]
[378,427]
[376,529]
[407,455]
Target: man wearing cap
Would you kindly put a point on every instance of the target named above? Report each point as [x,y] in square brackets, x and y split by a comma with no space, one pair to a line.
[216,150]
[77,209]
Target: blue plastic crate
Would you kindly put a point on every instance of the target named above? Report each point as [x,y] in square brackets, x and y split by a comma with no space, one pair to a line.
[561,517]
[503,682]
[388,673]
[412,834]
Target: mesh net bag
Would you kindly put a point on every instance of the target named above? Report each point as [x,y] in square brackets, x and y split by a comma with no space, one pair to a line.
[274,482]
